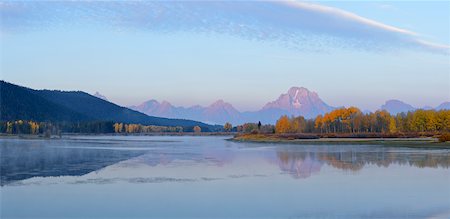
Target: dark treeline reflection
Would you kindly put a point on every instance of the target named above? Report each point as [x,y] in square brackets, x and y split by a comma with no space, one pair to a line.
[25,159]
[302,164]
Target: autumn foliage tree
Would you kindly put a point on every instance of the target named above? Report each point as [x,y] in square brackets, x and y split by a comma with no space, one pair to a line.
[282,125]
[197,129]
[138,128]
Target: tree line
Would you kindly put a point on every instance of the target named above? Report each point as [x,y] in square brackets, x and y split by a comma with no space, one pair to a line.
[93,127]
[138,128]
[352,120]
[343,120]
[54,128]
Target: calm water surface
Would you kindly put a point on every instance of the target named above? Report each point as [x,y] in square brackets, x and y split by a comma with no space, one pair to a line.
[208,177]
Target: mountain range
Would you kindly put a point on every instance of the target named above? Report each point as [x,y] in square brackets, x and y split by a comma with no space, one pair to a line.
[21,103]
[18,102]
[296,101]
[397,106]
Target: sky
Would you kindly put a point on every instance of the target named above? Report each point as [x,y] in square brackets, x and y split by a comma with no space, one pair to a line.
[246,53]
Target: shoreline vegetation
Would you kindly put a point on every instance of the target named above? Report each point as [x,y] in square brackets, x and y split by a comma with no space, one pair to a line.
[394,141]
[350,126]
[420,128]
[412,140]
[419,142]
[68,135]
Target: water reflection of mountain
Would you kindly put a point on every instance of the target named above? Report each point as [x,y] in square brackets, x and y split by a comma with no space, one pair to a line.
[299,165]
[19,160]
[304,163]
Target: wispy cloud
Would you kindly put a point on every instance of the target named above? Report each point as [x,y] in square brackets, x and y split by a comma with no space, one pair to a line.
[341,14]
[305,26]
[384,6]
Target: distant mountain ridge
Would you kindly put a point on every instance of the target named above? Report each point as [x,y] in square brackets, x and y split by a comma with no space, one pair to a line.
[21,103]
[296,101]
[396,106]
[218,112]
[443,106]
[18,102]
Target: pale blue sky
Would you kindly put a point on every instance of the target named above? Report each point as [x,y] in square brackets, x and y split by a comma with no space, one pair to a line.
[247,53]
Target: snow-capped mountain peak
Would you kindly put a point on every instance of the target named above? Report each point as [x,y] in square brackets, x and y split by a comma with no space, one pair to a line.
[299,101]
[98,95]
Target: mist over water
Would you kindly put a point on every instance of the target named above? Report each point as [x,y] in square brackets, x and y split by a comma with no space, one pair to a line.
[209,177]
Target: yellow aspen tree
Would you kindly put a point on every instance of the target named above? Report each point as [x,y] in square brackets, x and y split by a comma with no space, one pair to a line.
[282,125]
[392,125]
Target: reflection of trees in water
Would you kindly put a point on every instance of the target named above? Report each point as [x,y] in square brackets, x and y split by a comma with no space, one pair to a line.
[25,159]
[301,164]
[19,160]
[343,161]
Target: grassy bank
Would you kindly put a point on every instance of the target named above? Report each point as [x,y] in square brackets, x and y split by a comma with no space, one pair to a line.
[421,142]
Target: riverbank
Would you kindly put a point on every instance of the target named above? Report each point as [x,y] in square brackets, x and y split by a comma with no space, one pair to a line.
[65,135]
[420,142]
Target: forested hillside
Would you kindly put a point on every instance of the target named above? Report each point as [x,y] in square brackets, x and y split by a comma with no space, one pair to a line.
[21,103]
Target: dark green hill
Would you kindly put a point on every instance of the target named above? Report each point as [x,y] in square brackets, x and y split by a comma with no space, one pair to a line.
[18,102]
